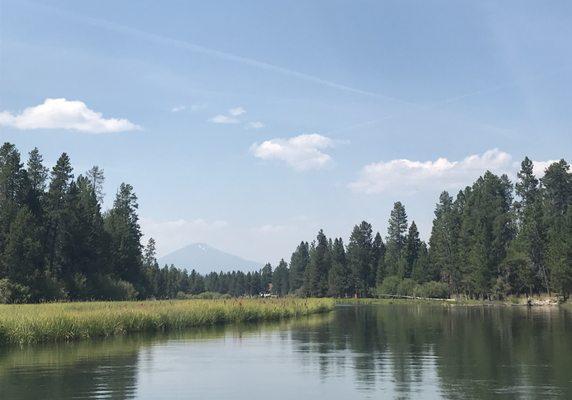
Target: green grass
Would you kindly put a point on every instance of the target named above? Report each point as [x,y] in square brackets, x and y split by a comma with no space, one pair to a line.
[60,322]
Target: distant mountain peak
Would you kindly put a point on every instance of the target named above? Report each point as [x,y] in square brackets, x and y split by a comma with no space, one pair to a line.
[204,258]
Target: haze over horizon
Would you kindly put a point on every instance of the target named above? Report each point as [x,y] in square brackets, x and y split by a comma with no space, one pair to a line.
[250,126]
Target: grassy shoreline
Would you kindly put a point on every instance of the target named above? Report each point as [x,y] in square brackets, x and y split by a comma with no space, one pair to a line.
[511,302]
[61,322]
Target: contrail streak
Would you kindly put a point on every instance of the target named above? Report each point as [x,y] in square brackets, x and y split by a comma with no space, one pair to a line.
[454,99]
[184,45]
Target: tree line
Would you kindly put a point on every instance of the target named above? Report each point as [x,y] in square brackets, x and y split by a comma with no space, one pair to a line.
[55,241]
[493,239]
[57,244]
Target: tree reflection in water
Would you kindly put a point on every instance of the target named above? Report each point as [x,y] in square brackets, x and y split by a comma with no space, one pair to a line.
[402,351]
[454,352]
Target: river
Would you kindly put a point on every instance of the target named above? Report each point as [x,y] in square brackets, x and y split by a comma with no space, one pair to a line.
[354,352]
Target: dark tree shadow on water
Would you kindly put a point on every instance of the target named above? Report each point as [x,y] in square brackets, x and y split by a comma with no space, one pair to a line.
[455,352]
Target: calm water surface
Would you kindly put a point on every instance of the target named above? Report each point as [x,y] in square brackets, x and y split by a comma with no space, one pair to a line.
[387,351]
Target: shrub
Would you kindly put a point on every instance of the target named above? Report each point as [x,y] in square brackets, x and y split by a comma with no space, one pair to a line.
[11,293]
[389,285]
[77,286]
[48,287]
[111,289]
[433,289]
[406,287]
[393,285]
[183,296]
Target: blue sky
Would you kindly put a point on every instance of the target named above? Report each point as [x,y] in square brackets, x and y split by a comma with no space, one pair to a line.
[250,125]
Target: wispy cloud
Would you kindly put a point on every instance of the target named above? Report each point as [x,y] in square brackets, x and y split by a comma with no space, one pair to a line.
[224,119]
[231,117]
[303,152]
[191,108]
[255,125]
[235,112]
[442,103]
[195,48]
[65,114]
[178,108]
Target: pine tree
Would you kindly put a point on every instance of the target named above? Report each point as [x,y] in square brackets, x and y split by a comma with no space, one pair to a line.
[150,253]
[298,264]
[486,232]
[266,278]
[443,242]
[97,179]
[421,271]
[37,173]
[13,190]
[528,250]
[411,250]
[280,279]
[339,277]
[360,258]
[122,225]
[255,284]
[377,261]
[397,226]
[151,267]
[37,177]
[316,275]
[85,243]
[557,182]
[23,256]
[13,178]
[57,214]
[560,255]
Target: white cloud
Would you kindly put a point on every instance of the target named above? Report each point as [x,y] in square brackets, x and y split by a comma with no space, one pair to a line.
[235,112]
[301,152]
[539,167]
[65,114]
[230,118]
[255,125]
[174,234]
[412,176]
[224,119]
[178,108]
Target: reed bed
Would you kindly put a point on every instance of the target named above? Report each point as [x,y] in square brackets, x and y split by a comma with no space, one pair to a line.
[61,322]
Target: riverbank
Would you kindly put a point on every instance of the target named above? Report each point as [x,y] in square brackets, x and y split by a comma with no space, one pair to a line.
[60,322]
[538,301]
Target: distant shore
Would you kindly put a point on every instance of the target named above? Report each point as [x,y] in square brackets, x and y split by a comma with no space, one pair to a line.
[537,301]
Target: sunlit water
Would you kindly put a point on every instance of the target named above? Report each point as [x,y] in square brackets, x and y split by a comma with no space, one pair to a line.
[389,351]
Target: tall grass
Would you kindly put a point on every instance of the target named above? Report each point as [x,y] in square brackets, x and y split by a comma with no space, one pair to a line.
[59,322]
